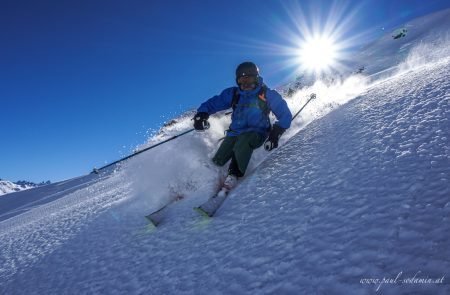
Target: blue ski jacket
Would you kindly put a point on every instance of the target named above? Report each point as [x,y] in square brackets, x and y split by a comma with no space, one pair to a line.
[250,113]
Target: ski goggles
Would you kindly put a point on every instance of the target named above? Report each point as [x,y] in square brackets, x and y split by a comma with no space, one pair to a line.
[247,79]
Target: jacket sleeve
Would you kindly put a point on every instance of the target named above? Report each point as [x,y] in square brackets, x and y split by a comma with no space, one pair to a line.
[279,108]
[218,103]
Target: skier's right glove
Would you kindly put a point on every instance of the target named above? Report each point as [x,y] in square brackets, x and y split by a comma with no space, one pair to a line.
[201,121]
[274,136]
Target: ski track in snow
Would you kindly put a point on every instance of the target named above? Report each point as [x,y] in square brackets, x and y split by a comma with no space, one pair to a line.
[360,193]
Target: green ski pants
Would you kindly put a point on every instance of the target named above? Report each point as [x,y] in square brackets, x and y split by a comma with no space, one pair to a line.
[239,149]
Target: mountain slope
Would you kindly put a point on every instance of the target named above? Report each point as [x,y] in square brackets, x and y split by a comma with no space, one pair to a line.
[361,192]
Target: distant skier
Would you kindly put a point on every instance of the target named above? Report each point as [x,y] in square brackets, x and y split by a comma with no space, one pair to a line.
[252,101]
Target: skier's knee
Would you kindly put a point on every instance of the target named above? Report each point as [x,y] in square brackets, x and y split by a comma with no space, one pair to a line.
[218,162]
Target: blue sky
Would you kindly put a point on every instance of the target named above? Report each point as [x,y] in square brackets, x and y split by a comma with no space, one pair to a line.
[82,82]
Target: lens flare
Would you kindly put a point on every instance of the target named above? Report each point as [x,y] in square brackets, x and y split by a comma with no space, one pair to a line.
[305,39]
[318,54]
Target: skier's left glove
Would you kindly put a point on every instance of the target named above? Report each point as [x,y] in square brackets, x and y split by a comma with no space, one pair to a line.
[274,136]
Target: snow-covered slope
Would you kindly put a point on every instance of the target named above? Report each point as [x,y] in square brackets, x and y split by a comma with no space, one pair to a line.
[26,200]
[361,192]
[427,38]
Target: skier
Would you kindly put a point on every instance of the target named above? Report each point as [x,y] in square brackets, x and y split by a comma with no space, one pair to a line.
[252,101]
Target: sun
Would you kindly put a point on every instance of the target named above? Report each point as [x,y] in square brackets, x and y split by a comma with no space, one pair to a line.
[320,41]
[316,42]
[318,54]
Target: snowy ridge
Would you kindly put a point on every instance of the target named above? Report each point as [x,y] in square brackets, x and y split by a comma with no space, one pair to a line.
[358,190]
[7,187]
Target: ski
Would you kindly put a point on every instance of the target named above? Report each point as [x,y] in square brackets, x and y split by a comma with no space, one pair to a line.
[157,216]
[209,208]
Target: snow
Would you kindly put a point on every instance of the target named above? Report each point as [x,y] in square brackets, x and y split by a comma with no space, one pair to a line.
[382,57]
[358,190]
[25,200]
[7,187]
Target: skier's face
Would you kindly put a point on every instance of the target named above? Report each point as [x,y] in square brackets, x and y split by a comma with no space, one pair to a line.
[247,82]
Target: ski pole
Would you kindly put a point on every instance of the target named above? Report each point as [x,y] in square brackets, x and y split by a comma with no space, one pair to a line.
[141,151]
[311,97]
[96,171]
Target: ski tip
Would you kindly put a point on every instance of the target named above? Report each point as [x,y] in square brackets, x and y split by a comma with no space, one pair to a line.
[152,222]
[202,212]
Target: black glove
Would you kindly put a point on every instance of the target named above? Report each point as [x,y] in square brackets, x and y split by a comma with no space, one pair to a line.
[274,136]
[201,121]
